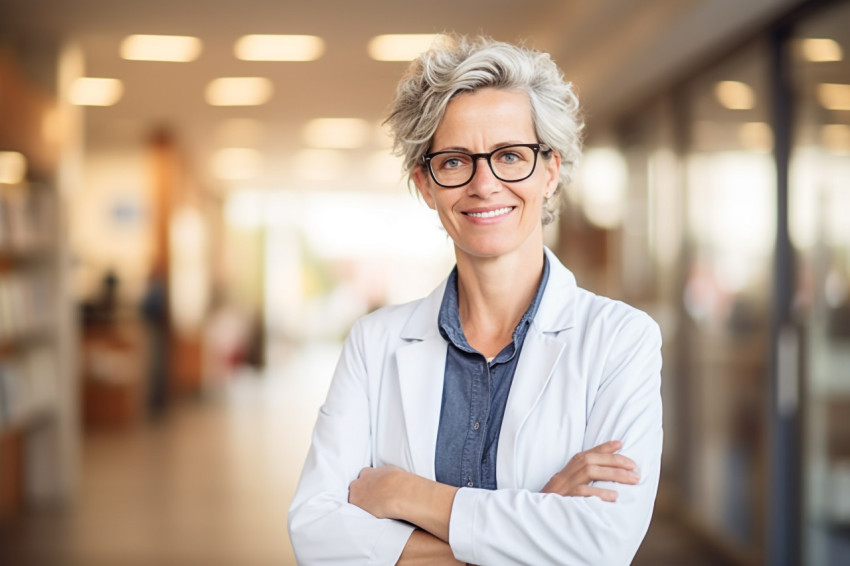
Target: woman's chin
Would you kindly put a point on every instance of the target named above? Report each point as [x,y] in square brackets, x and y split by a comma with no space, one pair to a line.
[486,249]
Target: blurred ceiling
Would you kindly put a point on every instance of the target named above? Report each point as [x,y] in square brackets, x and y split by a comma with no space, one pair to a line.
[615,51]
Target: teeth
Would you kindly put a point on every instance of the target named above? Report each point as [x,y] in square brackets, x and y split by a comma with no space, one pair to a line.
[491,213]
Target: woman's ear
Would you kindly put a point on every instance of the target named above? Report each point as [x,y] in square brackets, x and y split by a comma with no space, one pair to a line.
[423,185]
[553,173]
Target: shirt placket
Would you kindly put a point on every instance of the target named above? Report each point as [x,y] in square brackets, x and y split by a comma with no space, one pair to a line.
[475,438]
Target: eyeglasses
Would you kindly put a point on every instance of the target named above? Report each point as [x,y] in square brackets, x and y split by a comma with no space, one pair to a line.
[510,163]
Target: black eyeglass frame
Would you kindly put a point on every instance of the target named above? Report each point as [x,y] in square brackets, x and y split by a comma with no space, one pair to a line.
[536,147]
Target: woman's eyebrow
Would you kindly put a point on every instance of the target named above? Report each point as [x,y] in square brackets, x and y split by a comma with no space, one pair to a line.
[492,147]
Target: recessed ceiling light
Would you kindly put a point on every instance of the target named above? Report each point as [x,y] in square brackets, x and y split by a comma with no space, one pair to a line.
[735,95]
[821,50]
[237,163]
[337,133]
[279,47]
[173,48]
[401,47]
[13,167]
[239,91]
[834,96]
[93,91]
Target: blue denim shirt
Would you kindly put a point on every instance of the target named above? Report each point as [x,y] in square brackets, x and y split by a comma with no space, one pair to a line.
[475,393]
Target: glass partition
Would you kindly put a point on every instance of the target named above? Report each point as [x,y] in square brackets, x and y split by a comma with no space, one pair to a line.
[819,218]
[730,219]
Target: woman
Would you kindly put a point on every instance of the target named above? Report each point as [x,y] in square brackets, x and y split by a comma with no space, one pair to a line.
[484,423]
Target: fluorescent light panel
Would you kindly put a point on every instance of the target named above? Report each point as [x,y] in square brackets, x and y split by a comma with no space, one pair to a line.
[821,50]
[239,91]
[401,47]
[172,48]
[95,91]
[279,47]
[337,133]
[735,95]
[833,96]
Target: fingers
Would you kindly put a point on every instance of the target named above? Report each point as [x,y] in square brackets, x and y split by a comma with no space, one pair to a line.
[606,447]
[598,464]
[617,475]
[590,458]
[563,481]
[603,494]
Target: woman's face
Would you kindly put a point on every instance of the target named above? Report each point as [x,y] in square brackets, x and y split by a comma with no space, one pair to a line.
[488,217]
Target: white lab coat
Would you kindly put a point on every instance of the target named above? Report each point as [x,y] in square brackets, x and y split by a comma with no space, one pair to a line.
[589,372]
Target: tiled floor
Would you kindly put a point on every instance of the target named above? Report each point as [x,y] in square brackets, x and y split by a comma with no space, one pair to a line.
[211,484]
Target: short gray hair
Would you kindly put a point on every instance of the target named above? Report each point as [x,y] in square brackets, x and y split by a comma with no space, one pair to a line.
[460,64]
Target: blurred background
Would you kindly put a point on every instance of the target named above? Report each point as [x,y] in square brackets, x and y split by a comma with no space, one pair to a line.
[197,200]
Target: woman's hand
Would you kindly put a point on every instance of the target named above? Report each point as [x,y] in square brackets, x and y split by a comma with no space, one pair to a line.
[375,491]
[388,492]
[597,464]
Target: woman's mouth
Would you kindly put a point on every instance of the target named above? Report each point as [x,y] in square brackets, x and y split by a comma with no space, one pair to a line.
[490,213]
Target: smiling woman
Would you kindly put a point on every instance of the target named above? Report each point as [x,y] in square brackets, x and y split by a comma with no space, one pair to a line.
[510,417]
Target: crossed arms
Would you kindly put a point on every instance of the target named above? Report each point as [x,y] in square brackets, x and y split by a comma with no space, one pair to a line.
[349,509]
[389,492]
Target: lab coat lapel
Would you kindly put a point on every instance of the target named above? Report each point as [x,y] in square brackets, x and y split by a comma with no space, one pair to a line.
[534,369]
[421,366]
[537,363]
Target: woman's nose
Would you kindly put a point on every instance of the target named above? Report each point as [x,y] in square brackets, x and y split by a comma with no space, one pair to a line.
[483,181]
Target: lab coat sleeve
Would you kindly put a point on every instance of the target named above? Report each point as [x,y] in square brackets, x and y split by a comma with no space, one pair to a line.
[510,526]
[323,527]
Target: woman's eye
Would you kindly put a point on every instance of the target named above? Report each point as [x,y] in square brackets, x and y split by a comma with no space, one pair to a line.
[509,157]
[452,163]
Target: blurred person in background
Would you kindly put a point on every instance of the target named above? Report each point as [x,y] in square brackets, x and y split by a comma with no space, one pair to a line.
[510,417]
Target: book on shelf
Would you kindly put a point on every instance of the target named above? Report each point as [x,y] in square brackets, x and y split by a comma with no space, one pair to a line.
[28,386]
[25,303]
[27,217]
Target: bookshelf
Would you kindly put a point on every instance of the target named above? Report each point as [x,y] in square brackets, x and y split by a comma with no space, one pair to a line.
[33,421]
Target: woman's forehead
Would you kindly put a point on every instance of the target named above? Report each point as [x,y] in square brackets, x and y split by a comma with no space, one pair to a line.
[486,116]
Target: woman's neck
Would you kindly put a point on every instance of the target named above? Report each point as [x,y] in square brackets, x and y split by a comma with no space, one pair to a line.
[493,295]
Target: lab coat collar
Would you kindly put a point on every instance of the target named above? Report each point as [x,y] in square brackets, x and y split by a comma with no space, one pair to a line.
[421,365]
[557,310]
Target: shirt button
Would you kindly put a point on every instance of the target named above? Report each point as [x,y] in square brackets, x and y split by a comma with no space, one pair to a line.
[476,426]
[469,481]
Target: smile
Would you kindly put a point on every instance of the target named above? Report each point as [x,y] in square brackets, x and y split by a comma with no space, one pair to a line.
[490,213]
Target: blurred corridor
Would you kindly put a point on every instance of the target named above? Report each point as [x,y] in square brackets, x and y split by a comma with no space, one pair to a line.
[209,484]
[188,233]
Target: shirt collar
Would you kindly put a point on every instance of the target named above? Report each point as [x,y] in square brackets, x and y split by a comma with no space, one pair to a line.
[448,318]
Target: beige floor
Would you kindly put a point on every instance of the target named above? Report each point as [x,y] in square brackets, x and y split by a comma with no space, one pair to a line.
[211,484]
